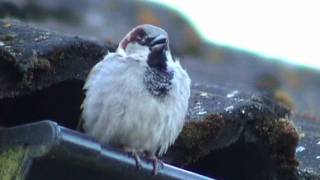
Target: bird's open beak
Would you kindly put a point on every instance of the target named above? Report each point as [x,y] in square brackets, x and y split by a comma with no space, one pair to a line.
[159,43]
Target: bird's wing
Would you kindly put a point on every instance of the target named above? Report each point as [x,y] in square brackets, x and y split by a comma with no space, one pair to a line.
[90,80]
[103,92]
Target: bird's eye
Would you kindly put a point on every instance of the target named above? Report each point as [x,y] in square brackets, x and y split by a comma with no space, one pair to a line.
[141,40]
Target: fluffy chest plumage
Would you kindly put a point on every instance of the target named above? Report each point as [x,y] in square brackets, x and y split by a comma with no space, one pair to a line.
[126,105]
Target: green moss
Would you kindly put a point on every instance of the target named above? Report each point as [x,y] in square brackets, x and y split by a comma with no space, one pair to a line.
[11,163]
[196,135]
[281,137]
[284,98]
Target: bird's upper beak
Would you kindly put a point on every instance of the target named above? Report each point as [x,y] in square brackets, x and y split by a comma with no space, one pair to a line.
[159,43]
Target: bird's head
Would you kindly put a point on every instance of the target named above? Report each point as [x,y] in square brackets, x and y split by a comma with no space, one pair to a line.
[147,43]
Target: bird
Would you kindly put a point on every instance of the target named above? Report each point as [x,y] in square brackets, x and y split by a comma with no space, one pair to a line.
[136,98]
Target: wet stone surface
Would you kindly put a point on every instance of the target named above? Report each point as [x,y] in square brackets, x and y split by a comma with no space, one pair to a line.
[295,88]
[234,126]
[33,58]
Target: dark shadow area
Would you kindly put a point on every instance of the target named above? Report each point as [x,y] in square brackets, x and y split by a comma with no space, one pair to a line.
[51,169]
[9,73]
[236,162]
[60,102]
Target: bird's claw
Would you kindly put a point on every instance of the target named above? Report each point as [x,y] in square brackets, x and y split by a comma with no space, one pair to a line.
[137,160]
[136,157]
[156,163]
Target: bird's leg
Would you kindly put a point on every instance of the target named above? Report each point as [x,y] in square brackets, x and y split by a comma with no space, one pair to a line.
[156,162]
[80,125]
[135,155]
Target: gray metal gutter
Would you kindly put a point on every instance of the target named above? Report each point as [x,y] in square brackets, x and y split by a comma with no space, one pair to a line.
[51,151]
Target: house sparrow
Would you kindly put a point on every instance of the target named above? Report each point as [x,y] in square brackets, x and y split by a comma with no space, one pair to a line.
[137,97]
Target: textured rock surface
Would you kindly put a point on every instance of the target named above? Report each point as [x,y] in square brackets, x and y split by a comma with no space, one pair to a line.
[239,131]
[32,58]
[294,87]
[49,74]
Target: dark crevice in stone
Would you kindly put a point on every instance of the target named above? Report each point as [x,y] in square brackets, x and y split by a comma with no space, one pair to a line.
[238,161]
[264,150]
[59,102]
[9,73]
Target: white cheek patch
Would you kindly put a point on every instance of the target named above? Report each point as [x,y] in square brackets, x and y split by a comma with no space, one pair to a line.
[137,51]
[121,51]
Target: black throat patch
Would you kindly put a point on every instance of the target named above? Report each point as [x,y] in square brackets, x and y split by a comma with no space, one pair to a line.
[158,82]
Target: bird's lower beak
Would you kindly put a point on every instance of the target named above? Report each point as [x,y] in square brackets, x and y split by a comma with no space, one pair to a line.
[159,47]
[159,43]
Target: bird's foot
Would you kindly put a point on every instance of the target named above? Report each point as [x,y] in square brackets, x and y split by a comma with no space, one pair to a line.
[136,155]
[156,163]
